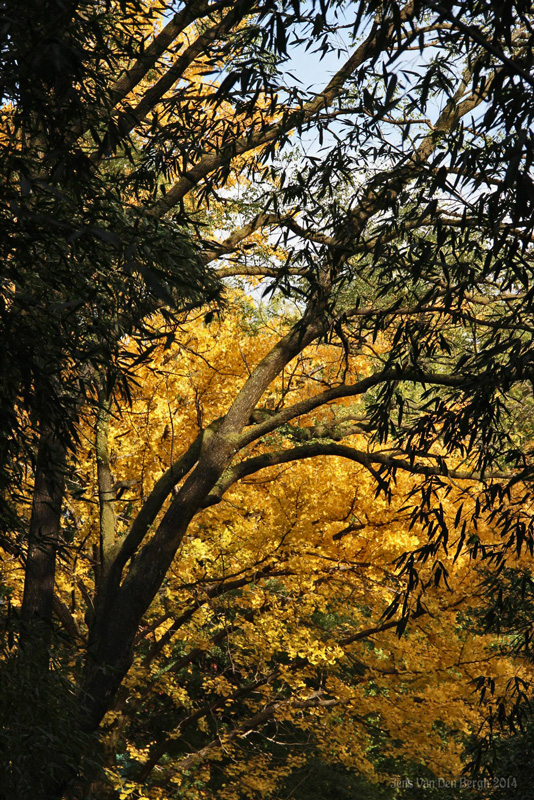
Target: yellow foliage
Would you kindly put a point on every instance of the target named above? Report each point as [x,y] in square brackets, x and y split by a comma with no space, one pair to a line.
[271,613]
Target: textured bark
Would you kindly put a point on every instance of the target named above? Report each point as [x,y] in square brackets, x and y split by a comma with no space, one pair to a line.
[44,537]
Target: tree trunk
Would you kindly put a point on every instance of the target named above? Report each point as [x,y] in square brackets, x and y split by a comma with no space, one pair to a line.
[44,537]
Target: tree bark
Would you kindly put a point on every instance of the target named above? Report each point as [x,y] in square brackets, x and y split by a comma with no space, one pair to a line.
[44,538]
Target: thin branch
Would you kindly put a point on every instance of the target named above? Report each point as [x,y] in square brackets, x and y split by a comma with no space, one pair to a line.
[241,730]
[156,499]
[214,591]
[168,742]
[215,250]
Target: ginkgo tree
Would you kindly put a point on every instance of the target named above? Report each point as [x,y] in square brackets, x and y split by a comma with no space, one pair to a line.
[267,630]
[143,165]
[274,603]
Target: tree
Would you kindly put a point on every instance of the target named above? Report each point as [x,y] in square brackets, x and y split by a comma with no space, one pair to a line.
[406,239]
[266,632]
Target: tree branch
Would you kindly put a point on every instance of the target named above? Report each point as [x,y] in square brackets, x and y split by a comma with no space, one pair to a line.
[192,11]
[156,499]
[476,35]
[131,118]
[243,729]
[274,421]
[369,49]
[366,459]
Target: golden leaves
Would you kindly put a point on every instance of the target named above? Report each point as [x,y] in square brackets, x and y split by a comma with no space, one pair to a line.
[272,610]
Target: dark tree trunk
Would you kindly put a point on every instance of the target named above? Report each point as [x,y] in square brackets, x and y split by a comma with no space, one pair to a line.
[44,537]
